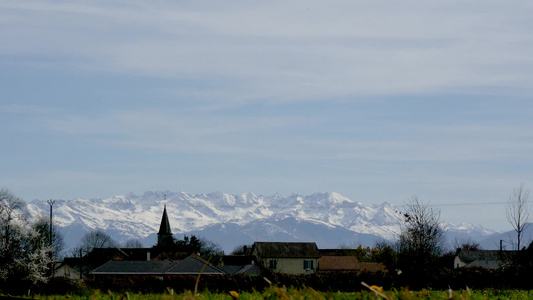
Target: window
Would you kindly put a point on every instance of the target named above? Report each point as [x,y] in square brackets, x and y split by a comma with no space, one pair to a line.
[272,264]
[308,265]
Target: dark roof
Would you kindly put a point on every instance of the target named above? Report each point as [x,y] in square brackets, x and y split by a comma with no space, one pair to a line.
[231,269]
[285,250]
[164,228]
[171,255]
[337,252]
[99,256]
[72,261]
[139,253]
[250,269]
[190,265]
[468,256]
[126,267]
[237,260]
[194,265]
[488,259]
[338,263]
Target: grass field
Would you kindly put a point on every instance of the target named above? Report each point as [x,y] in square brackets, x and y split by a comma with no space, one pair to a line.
[306,293]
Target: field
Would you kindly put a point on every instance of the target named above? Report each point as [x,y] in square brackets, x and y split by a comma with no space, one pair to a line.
[306,293]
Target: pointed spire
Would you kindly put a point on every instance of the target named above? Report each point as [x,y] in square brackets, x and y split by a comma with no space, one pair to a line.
[164,228]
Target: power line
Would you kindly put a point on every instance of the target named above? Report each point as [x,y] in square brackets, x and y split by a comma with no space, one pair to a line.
[469,204]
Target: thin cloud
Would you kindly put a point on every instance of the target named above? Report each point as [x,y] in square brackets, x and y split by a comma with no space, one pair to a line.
[281,51]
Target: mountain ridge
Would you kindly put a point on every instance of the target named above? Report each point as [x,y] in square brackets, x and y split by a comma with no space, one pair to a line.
[330,218]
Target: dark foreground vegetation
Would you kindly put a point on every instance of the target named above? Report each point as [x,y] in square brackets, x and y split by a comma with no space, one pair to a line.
[444,279]
[277,292]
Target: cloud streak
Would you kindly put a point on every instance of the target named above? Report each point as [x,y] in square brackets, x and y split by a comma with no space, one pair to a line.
[297,51]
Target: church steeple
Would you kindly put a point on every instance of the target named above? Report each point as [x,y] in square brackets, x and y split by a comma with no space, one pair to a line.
[165,233]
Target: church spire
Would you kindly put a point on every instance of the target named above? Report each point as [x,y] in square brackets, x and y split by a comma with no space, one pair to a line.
[165,233]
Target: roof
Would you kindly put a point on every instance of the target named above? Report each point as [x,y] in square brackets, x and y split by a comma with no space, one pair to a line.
[99,256]
[194,265]
[190,265]
[250,269]
[469,256]
[139,253]
[237,260]
[125,267]
[337,252]
[486,264]
[338,263]
[164,228]
[285,250]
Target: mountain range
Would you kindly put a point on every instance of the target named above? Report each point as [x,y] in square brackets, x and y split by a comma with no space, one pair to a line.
[329,219]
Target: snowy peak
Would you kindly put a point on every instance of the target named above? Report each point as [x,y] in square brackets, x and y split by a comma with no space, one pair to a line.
[292,217]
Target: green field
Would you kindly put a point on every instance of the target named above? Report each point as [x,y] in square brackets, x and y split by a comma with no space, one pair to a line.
[306,293]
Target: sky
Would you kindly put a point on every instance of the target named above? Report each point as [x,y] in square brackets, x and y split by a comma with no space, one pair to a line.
[379,101]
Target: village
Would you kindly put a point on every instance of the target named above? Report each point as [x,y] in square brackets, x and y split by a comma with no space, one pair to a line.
[167,260]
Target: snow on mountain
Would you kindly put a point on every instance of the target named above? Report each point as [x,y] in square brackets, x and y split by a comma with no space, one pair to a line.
[330,219]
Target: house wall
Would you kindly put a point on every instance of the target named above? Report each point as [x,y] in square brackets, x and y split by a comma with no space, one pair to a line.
[291,265]
[457,263]
[67,272]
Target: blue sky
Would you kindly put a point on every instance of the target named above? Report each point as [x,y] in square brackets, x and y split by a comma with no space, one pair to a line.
[375,100]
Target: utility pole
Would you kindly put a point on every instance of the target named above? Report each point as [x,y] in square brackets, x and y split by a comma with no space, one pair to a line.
[51,203]
[52,266]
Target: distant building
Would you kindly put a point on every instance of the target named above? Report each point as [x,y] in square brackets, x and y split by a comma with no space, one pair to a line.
[487,259]
[66,271]
[290,258]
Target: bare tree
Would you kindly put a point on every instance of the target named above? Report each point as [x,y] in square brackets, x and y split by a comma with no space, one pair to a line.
[421,239]
[133,243]
[518,212]
[95,239]
[466,244]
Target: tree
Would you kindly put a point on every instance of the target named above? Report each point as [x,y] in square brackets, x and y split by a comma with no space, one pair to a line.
[42,228]
[386,254]
[133,243]
[199,246]
[95,239]
[12,214]
[421,239]
[467,244]
[518,212]
[24,255]
[241,250]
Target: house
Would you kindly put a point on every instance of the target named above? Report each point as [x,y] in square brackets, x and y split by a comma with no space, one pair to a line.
[487,259]
[66,271]
[291,258]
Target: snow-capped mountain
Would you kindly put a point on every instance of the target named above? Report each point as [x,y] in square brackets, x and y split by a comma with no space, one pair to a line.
[329,219]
